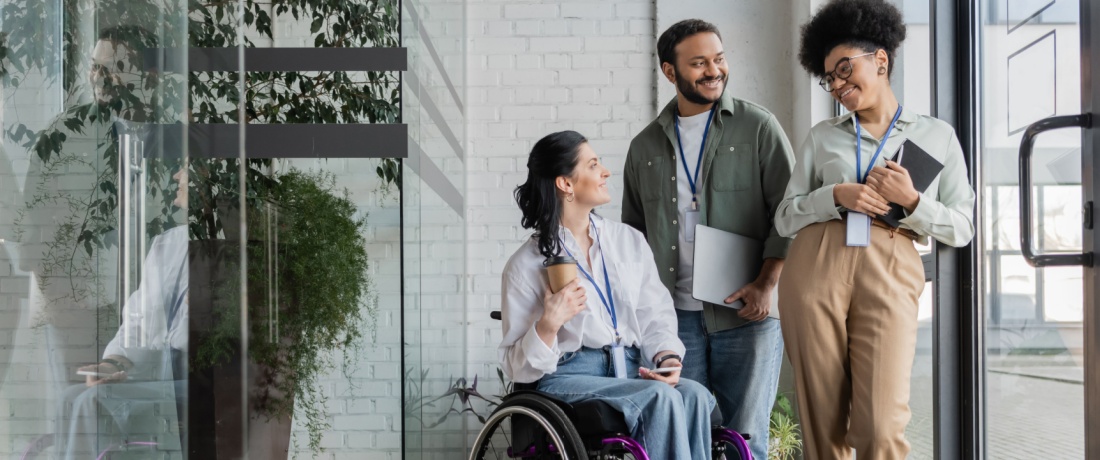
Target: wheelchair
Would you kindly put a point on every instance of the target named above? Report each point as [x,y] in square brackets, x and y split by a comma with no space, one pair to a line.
[529,424]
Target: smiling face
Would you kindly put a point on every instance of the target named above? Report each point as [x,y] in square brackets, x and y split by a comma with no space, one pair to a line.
[864,87]
[701,71]
[589,179]
[181,193]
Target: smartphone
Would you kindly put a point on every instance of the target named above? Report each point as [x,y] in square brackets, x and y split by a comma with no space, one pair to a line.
[666,370]
[101,375]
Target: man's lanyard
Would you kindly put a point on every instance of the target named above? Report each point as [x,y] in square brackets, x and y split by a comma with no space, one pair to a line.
[859,158]
[609,301]
[683,159]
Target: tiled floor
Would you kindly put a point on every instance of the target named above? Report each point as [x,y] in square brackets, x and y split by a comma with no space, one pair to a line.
[1033,412]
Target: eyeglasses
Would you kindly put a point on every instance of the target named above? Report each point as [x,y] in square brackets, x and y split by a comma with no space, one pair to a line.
[842,70]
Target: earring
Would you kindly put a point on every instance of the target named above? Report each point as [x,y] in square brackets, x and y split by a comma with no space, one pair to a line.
[882,70]
[572,196]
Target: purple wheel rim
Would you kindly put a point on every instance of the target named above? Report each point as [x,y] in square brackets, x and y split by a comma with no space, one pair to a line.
[633,447]
[734,439]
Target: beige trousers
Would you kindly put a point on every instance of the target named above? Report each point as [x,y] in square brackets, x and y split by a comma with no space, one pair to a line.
[850,327]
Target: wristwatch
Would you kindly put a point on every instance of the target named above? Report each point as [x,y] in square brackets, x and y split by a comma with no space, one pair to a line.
[666,358]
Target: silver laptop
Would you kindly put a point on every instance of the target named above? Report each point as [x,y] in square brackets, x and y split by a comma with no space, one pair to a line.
[724,263]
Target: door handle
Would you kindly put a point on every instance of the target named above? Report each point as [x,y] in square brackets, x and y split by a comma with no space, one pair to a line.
[1027,145]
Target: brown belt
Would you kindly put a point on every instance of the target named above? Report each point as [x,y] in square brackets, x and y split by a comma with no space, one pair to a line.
[879,223]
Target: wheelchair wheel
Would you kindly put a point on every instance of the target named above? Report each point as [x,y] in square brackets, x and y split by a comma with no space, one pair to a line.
[729,445]
[528,426]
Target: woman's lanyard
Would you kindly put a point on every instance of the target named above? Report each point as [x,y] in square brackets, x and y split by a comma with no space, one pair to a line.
[609,301]
[692,179]
[859,160]
[859,224]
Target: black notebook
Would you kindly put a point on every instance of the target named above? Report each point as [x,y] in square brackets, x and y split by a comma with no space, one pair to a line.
[923,169]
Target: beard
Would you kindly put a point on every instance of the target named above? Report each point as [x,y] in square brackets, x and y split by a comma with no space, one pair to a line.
[687,88]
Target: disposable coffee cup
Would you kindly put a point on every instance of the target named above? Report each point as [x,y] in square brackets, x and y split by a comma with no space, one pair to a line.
[562,270]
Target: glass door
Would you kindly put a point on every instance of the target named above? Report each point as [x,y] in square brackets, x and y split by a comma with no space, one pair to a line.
[1034,228]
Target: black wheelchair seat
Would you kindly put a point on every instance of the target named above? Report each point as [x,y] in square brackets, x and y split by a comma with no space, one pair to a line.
[590,418]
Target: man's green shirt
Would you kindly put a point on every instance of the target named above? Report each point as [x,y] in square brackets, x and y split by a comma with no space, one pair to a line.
[747,162]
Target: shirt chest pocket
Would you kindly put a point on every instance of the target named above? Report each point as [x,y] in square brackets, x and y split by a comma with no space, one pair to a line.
[732,168]
[629,282]
[652,174]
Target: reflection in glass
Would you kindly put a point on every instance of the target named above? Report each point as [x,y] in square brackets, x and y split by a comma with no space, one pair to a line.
[1034,379]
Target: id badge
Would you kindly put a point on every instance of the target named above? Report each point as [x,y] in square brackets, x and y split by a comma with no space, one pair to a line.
[859,229]
[618,358]
[691,219]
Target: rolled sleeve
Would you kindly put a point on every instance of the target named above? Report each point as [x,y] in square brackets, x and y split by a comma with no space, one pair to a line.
[524,357]
[948,214]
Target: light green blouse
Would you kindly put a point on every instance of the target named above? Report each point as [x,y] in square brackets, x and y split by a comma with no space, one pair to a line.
[827,158]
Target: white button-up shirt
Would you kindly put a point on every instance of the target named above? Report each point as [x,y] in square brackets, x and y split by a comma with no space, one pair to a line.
[646,316]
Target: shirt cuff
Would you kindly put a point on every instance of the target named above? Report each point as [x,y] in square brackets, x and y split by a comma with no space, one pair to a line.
[824,205]
[538,355]
[775,247]
[921,215]
[671,344]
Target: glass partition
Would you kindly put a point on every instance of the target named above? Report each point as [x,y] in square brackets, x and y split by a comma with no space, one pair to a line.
[200,229]
[1033,327]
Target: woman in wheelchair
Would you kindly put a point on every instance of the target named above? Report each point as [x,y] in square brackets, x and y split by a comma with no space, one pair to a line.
[596,338]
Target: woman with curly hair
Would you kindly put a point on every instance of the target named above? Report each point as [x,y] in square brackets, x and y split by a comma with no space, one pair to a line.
[849,292]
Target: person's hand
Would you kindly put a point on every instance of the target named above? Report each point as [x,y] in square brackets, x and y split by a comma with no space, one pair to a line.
[561,307]
[894,184]
[860,198]
[672,378]
[113,374]
[757,298]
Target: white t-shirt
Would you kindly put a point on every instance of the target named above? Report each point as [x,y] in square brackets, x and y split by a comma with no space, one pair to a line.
[691,136]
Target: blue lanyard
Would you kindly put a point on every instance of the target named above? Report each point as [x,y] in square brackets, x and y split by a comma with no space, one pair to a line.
[698,161]
[609,301]
[859,158]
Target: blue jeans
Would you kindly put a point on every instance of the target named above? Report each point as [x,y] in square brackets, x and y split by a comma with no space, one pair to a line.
[741,365]
[672,423]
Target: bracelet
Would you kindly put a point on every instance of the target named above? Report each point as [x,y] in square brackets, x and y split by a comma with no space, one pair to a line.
[112,362]
[666,358]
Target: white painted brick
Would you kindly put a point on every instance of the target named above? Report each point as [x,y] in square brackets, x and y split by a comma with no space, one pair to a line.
[527,11]
[481,10]
[556,95]
[613,28]
[556,44]
[502,61]
[555,27]
[583,112]
[640,10]
[499,45]
[582,27]
[557,61]
[528,95]
[643,27]
[588,10]
[527,113]
[529,61]
[528,78]
[584,78]
[610,43]
[505,28]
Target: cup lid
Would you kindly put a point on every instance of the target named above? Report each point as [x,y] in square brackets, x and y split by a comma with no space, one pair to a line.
[558,260]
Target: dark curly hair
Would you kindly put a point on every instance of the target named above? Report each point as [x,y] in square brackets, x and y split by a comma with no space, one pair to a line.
[868,25]
[666,44]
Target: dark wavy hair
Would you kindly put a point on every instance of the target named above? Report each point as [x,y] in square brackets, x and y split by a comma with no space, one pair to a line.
[666,44]
[868,25]
[552,156]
